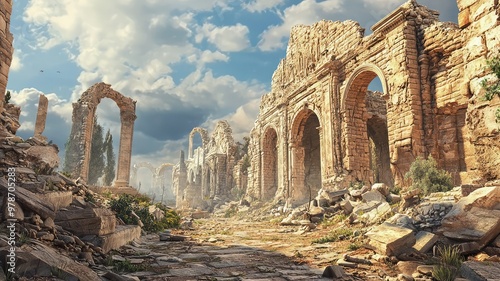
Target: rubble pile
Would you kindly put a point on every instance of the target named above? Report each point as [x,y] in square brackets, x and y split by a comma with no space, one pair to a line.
[60,224]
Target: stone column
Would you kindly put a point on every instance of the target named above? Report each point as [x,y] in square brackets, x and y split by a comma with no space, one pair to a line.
[41,117]
[125,152]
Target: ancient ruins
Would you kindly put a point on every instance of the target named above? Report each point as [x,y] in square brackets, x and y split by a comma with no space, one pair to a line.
[161,177]
[318,128]
[81,132]
[6,48]
[209,172]
[320,174]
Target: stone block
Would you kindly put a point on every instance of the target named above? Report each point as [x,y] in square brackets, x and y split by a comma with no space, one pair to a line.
[90,221]
[424,241]
[373,195]
[122,235]
[382,188]
[60,199]
[464,18]
[389,239]
[480,271]
[477,224]
[36,260]
[200,215]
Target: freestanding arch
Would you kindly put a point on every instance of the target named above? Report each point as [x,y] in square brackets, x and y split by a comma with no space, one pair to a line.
[204,139]
[306,156]
[81,132]
[270,161]
[365,126]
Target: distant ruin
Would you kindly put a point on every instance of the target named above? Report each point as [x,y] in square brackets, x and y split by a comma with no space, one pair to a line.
[81,132]
[318,127]
[210,171]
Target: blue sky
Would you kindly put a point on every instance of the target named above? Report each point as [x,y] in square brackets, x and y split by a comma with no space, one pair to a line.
[187,63]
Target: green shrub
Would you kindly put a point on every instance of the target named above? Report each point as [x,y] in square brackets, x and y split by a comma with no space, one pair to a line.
[425,176]
[449,264]
[492,88]
[126,204]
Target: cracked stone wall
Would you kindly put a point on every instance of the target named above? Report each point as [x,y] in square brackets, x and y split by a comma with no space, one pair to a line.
[6,48]
[430,102]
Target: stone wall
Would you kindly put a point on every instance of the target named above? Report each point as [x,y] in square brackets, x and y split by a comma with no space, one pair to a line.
[6,48]
[320,112]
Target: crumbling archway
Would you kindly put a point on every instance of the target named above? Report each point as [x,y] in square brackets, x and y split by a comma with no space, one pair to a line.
[270,164]
[136,167]
[306,157]
[81,131]
[365,127]
[204,139]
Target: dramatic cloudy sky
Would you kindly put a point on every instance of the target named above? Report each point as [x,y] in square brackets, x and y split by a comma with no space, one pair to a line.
[187,63]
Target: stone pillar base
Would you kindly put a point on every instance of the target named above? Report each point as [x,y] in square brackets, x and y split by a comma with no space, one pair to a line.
[120,183]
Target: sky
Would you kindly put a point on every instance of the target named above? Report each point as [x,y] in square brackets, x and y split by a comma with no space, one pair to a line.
[187,63]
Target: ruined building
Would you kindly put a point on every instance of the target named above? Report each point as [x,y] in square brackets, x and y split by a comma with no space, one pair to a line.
[208,172]
[80,141]
[6,48]
[320,128]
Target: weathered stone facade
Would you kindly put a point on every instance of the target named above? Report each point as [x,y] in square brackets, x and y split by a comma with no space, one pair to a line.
[81,132]
[318,127]
[208,172]
[6,48]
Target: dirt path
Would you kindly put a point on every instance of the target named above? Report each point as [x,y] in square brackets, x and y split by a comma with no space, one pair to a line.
[234,249]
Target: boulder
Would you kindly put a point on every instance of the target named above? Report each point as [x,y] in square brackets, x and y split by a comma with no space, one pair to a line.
[382,188]
[475,218]
[97,221]
[59,199]
[389,239]
[43,158]
[475,270]
[477,224]
[39,260]
[373,195]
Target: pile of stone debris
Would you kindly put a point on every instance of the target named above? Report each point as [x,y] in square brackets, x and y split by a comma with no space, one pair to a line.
[60,224]
[410,227]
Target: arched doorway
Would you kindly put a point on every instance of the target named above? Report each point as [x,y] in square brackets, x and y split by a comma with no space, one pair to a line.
[204,139]
[306,157]
[365,127]
[270,165]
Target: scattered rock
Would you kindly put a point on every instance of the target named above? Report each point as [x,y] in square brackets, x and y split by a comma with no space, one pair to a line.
[390,239]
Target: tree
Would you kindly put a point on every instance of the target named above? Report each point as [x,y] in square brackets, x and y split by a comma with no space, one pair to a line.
[7,97]
[96,163]
[109,171]
[493,87]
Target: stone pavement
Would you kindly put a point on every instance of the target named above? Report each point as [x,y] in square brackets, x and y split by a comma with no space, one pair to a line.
[191,260]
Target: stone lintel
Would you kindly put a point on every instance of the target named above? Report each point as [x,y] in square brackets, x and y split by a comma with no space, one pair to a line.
[390,21]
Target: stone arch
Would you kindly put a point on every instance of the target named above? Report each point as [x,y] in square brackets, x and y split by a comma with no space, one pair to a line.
[136,167]
[81,131]
[306,156]
[204,139]
[270,161]
[365,126]
[159,173]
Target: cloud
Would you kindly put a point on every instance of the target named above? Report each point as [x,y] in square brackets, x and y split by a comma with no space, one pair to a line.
[262,5]
[226,38]
[16,63]
[306,12]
